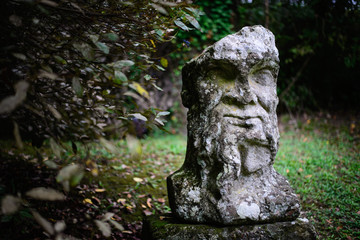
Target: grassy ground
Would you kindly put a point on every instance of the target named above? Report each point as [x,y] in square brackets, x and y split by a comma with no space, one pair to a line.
[322,162]
[319,156]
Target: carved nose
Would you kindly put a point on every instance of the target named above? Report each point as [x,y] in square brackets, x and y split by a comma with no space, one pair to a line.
[249,96]
[239,96]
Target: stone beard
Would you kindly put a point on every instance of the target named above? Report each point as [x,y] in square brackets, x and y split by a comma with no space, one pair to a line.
[227,177]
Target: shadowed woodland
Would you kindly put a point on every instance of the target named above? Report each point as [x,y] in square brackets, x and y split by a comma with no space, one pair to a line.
[92,121]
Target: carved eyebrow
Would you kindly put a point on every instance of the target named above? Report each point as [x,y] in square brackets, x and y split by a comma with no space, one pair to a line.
[265,65]
[226,68]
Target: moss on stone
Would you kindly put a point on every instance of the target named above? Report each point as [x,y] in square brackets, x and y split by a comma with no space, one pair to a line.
[167,227]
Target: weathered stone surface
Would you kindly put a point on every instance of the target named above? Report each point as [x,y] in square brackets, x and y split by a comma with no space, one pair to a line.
[169,229]
[227,177]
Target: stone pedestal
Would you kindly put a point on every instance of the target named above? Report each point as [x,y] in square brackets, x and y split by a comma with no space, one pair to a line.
[168,228]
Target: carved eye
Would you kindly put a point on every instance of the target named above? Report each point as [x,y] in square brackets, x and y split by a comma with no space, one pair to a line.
[221,74]
[263,77]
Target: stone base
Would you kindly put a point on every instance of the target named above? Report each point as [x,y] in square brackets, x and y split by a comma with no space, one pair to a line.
[166,227]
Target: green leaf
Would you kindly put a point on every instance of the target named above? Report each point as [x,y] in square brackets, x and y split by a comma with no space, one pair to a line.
[117,225]
[157,87]
[137,87]
[169,4]
[60,60]
[17,136]
[193,21]
[119,77]
[10,204]
[104,227]
[48,227]
[139,116]
[76,85]
[122,63]
[94,38]
[70,175]
[164,62]
[112,36]
[159,8]
[55,148]
[60,226]
[86,50]
[159,32]
[42,193]
[8,104]
[134,146]
[51,164]
[103,47]
[165,113]
[147,77]
[181,25]
[19,56]
[110,146]
[159,121]
[54,112]
[160,68]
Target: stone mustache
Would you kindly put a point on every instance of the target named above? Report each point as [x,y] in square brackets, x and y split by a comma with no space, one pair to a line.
[228,176]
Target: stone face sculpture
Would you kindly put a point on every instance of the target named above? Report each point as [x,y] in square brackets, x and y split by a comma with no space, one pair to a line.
[228,176]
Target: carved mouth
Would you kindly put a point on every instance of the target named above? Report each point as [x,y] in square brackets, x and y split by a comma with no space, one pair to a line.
[240,117]
[242,121]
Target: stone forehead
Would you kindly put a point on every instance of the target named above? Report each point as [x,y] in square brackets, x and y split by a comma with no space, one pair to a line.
[242,49]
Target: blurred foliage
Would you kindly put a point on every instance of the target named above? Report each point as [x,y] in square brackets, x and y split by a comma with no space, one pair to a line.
[79,71]
[82,70]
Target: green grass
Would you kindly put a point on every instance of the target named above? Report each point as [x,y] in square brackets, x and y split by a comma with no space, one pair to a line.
[322,164]
[320,159]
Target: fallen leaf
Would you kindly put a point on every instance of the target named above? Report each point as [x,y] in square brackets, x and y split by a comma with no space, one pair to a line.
[301,170]
[161,200]
[136,179]
[99,190]
[87,200]
[308,176]
[287,170]
[96,199]
[148,202]
[147,212]
[328,221]
[338,228]
[143,206]
[126,231]
[161,218]
[121,200]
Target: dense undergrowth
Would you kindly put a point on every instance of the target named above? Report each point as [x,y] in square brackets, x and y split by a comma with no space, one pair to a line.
[320,157]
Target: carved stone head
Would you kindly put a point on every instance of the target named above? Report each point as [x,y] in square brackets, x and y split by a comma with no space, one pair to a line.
[230,90]
[228,177]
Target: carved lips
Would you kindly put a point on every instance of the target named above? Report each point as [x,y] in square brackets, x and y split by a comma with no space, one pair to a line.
[243,121]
